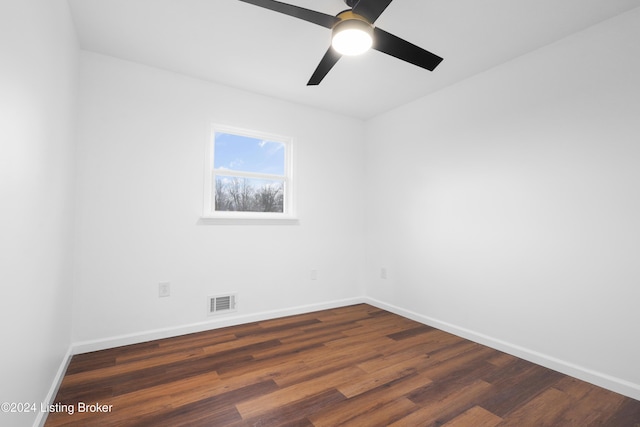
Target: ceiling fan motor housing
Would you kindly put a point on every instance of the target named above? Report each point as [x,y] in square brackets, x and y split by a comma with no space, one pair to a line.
[353,34]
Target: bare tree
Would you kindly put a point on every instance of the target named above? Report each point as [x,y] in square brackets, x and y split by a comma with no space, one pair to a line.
[269,198]
[238,194]
[221,196]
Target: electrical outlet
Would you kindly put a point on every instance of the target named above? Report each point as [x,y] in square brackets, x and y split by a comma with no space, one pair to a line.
[314,274]
[164,289]
[383,273]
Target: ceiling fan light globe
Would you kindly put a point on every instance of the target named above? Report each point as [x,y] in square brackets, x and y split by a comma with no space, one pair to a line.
[352,37]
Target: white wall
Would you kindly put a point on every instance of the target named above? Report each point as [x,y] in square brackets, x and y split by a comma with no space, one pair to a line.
[142,137]
[38,80]
[506,207]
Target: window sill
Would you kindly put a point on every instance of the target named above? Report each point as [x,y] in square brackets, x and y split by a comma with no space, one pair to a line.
[215,220]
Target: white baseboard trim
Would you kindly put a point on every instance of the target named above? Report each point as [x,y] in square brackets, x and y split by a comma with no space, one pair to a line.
[214,323]
[597,378]
[55,385]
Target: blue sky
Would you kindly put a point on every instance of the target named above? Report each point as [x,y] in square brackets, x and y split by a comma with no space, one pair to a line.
[242,153]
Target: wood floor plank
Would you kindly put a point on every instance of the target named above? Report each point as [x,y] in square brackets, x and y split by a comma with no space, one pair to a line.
[372,338]
[166,347]
[352,366]
[542,411]
[502,359]
[295,346]
[628,414]
[296,392]
[145,401]
[475,417]
[295,413]
[450,367]
[91,361]
[132,366]
[317,366]
[345,412]
[601,405]
[443,408]
[380,377]
[276,326]
[428,343]
[510,394]
[384,360]
[309,373]
[384,414]
[219,408]
[408,333]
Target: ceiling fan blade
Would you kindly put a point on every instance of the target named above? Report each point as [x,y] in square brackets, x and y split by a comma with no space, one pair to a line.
[326,64]
[371,9]
[318,18]
[402,49]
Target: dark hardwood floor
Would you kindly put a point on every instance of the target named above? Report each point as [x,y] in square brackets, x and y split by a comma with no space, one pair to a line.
[356,365]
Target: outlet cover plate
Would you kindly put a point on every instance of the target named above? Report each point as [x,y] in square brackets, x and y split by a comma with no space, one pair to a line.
[164,289]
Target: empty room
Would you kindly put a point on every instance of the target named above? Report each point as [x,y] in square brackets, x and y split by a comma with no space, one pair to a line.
[320,213]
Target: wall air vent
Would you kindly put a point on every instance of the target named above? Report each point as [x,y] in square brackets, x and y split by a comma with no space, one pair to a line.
[221,304]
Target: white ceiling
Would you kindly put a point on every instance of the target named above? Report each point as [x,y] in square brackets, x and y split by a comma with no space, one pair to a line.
[248,47]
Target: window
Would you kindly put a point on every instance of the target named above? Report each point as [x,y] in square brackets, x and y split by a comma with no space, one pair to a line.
[249,176]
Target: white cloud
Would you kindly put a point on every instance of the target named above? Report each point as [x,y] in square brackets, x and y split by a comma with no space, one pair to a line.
[235,163]
[271,146]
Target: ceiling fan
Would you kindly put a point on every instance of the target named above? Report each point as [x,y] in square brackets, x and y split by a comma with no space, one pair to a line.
[354,33]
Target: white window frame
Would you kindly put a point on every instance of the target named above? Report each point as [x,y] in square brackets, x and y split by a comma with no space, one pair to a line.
[209,214]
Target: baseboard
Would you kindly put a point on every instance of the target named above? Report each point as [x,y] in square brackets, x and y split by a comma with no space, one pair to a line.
[214,323]
[597,378]
[55,385]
